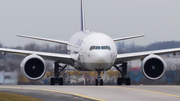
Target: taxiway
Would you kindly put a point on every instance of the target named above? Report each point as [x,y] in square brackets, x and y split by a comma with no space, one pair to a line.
[102,93]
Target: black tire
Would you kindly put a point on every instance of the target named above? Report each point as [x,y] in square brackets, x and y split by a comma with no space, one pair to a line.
[119,81]
[96,82]
[128,81]
[101,82]
[60,81]
[52,81]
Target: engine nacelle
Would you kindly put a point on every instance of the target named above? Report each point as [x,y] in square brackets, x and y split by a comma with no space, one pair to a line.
[33,67]
[153,67]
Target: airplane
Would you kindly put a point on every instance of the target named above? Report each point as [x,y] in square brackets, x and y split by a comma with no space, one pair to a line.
[90,51]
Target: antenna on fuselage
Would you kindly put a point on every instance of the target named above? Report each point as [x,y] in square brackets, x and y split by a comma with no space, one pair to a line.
[82,16]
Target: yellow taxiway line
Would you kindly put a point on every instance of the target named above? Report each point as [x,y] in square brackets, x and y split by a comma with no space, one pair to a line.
[88,97]
[84,96]
[144,91]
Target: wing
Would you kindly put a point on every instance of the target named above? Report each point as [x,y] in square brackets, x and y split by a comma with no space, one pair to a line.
[46,39]
[130,37]
[63,58]
[140,55]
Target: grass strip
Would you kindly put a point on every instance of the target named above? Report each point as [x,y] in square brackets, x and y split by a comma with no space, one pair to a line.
[16,97]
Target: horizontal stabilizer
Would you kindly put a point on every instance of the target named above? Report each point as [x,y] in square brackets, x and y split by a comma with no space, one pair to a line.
[130,37]
[45,39]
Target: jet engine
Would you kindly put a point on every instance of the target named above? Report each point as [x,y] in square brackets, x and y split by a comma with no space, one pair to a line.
[33,67]
[153,67]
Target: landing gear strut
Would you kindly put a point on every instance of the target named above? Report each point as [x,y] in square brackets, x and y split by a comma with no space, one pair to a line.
[123,70]
[57,70]
[99,80]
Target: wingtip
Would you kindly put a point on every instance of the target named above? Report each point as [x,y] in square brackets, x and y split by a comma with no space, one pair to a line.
[18,35]
[142,35]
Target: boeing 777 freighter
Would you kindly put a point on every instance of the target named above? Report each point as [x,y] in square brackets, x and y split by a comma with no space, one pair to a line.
[90,51]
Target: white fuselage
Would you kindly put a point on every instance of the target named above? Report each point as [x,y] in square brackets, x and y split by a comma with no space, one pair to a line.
[96,51]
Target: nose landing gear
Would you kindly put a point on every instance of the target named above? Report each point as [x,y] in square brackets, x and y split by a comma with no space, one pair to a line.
[57,70]
[123,70]
[99,80]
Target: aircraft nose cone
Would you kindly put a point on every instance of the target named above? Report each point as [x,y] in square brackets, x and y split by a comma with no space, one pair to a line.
[102,57]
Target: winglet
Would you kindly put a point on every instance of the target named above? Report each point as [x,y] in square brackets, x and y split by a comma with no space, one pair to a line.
[130,37]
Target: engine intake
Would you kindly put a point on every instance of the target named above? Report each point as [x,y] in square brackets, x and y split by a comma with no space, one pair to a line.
[153,67]
[33,67]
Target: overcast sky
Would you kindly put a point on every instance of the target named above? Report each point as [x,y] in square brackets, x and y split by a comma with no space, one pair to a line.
[159,20]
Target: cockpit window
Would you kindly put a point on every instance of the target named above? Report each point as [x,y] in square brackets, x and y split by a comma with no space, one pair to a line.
[92,47]
[100,47]
[103,47]
[107,47]
[97,47]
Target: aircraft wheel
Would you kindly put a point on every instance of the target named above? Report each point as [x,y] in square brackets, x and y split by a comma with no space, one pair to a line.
[96,82]
[128,81]
[119,81]
[101,82]
[60,81]
[52,81]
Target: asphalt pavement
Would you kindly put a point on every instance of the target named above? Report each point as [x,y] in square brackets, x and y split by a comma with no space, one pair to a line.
[45,95]
[98,93]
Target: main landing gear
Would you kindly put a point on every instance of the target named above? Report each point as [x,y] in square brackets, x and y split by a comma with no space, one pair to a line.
[99,80]
[123,70]
[57,70]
